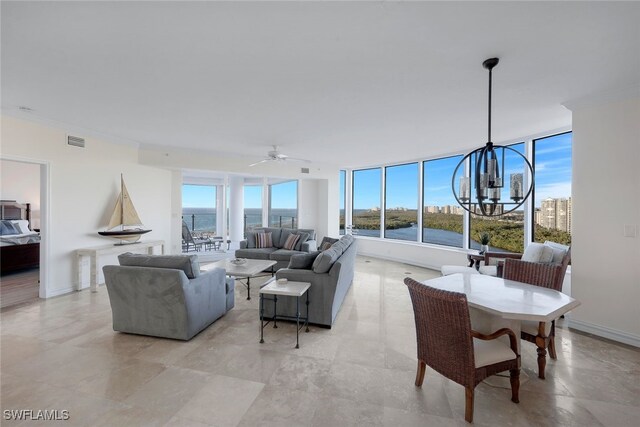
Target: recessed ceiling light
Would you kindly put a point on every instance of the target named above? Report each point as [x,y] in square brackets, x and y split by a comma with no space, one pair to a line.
[25,109]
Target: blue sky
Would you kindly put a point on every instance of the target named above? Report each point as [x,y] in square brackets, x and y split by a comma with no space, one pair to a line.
[553,179]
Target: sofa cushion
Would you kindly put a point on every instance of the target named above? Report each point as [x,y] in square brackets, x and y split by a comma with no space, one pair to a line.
[282,254]
[291,242]
[187,263]
[537,252]
[251,239]
[325,260]
[303,261]
[303,238]
[264,240]
[256,253]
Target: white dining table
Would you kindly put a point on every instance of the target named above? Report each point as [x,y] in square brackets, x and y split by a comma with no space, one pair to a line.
[496,303]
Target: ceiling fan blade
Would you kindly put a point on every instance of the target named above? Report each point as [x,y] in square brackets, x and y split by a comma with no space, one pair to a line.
[298,160]
[257,163]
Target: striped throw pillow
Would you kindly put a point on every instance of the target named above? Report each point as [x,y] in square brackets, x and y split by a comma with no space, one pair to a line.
[291,241]
[263,240]
[325,246]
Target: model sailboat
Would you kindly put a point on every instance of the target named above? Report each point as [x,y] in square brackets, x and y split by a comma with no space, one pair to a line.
[125,224]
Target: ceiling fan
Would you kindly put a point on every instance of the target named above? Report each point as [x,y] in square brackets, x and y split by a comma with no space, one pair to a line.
[276,156]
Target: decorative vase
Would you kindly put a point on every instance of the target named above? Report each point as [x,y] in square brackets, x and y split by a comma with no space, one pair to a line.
[484,248]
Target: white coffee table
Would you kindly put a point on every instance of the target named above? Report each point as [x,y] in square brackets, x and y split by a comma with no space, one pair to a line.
[290,289]
[251,268]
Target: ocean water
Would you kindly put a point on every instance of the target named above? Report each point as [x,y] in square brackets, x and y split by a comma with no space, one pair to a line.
[204,219]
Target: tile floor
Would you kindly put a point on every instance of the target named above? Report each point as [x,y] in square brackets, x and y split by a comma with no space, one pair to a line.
[62,354]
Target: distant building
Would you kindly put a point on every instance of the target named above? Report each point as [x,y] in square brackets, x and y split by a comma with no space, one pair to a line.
[555,214]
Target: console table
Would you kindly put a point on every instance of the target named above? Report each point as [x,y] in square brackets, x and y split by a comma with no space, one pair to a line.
[94,254]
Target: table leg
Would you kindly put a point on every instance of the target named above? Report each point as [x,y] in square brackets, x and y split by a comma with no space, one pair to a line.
[248,288]
[307,330]
[94,273]
[297,322]
[275,311]
[471,262]
[261,319]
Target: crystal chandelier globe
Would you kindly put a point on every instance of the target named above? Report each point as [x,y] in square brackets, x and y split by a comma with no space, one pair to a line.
[480,175]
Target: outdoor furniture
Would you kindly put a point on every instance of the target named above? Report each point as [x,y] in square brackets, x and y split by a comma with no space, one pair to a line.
[447,343]
[188,241]
[547,276]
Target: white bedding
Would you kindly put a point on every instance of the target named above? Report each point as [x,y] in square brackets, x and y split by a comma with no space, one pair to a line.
[20,239]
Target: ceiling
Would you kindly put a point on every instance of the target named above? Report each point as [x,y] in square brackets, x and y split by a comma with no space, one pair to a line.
[350,84]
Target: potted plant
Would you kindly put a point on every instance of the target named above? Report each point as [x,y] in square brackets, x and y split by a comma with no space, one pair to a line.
[485,238]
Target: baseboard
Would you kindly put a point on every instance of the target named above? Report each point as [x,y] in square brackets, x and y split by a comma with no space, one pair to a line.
[400,260]
[605,332]
[50,293]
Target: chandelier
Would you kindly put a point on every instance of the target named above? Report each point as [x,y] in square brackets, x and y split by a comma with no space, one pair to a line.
[485,169]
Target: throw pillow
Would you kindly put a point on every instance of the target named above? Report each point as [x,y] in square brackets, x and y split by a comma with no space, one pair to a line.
[303,261]
[303,238]
[325,245]
[291,242]
[263,240]
[251,239]
[284,235]
[537,252]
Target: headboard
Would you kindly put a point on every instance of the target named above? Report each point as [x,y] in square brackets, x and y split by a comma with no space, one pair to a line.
[9,209]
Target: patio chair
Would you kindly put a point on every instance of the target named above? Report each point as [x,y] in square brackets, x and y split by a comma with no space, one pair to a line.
[188,241]
[447,343]
[547,275]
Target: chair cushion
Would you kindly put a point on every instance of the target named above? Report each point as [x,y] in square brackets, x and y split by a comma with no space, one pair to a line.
[491,352]
[559,251]
[303,261]
[282,254]
[530,327]
[256,253]
[489,270]
[537,252]
[187,263]
[453,269]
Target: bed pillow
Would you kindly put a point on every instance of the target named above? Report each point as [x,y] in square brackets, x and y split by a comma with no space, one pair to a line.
[22,225]
[7,228]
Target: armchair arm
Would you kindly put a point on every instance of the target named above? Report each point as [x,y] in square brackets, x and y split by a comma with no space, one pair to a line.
[535,273]
[513,343]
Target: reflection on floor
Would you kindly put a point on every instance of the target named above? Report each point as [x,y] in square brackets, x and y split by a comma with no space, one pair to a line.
[19,288]
[62,353]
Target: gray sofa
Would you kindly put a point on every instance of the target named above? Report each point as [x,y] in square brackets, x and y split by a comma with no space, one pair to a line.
[330,273]
[166,296]
[277,253]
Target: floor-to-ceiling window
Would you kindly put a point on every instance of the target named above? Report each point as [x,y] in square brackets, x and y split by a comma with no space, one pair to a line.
[552,194]
[365,212]
[283,204]
[343,186]
[252,207]
[443,218]
[506,231]
[401,202]
[199,208]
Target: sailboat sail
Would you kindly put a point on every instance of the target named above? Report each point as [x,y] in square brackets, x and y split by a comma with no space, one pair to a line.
[124,215]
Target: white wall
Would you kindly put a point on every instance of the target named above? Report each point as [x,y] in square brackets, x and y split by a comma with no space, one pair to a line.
[20,181]
[606,197]
[83,186]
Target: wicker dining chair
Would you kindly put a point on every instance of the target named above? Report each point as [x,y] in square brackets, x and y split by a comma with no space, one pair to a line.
[447,343]
[547,276]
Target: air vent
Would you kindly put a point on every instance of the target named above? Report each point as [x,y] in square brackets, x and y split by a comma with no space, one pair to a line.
[304,170]
[75,141]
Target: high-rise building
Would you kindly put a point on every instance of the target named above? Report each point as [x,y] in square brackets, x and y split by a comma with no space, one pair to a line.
[555,214]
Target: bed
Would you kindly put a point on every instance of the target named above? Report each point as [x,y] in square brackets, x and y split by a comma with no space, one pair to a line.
[19,244]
